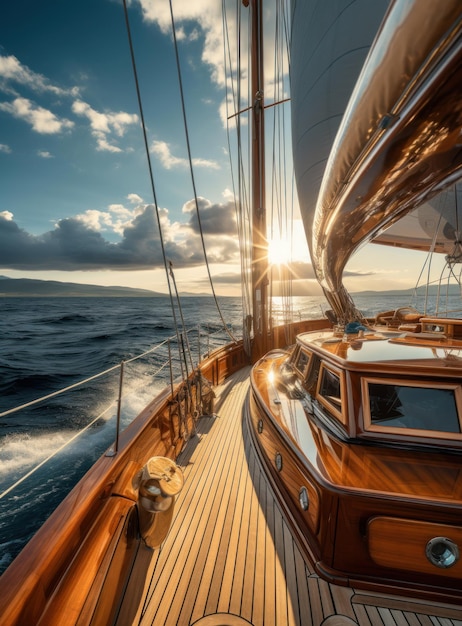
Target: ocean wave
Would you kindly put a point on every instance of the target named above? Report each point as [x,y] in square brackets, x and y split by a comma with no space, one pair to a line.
[69,318]
[51,344]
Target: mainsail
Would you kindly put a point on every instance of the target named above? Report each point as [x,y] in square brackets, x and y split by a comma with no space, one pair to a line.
[398,144]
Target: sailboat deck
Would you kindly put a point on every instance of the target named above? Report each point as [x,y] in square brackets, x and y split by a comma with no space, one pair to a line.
[230,558]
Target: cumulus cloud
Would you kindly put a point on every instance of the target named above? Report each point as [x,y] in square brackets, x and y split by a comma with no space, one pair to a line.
[116,219]
[4,148]
[134,198]
[44,154]
[42,120]
[215,219]
[78,243]
[162,150]
[104,124]
[193,19]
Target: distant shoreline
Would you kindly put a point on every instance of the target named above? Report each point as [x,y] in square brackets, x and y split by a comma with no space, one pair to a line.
[34,288]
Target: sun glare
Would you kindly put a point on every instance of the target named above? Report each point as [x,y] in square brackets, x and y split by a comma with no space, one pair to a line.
[279,252]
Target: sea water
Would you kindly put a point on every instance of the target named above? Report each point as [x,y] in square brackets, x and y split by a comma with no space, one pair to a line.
[48,344]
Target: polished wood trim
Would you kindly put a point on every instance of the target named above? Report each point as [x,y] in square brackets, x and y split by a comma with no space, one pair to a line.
[452,326]
[355,483]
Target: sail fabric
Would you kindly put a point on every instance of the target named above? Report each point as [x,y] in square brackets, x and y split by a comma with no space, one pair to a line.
[434,226]
[398,142]
[325,66]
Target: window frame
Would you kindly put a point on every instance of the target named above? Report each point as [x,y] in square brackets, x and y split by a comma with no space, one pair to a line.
[339,413]
[369,427]
[309,356]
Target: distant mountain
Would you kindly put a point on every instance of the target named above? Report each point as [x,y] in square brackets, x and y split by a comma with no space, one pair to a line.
[452,290]
[22,287]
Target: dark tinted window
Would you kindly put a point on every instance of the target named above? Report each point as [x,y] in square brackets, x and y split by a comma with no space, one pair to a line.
[330,388]
[302,361]
[413,407]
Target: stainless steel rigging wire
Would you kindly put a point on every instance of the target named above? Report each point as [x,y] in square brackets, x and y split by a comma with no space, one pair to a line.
[241,197]
[193,182]
[151,175]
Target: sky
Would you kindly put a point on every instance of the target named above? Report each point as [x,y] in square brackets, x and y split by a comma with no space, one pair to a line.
[76,202]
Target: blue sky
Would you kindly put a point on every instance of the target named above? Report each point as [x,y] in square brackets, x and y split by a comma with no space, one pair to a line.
[75,197]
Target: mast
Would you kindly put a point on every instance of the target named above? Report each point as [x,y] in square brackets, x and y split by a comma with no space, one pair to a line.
[259,240]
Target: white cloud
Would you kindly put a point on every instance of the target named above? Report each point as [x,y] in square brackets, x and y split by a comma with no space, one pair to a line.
[4,148]
[193,19]
[103,124]
[13,71]
[42,120]
[119,209]
[44,154]
[6,215]
[162,150]
[94,220]
[134,198]
[116,219]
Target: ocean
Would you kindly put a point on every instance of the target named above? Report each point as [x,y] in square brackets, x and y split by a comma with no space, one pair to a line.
[53,343]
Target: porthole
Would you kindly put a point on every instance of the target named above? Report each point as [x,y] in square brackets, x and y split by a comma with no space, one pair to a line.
[278,462]
[442,552]
[304,498]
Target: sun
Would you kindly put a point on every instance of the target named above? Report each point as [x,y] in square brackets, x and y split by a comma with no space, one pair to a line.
[279,252]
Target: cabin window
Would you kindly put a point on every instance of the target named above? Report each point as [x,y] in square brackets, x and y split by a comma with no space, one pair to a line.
[313,375]
[302,361]
[329,392]
[394,406]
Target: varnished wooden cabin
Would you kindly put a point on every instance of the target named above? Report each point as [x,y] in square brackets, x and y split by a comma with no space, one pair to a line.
[362,435]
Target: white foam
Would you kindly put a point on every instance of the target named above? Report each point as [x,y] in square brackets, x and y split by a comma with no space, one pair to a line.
[20,452]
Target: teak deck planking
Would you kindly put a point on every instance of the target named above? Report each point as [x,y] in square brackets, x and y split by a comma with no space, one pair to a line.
[230,557]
